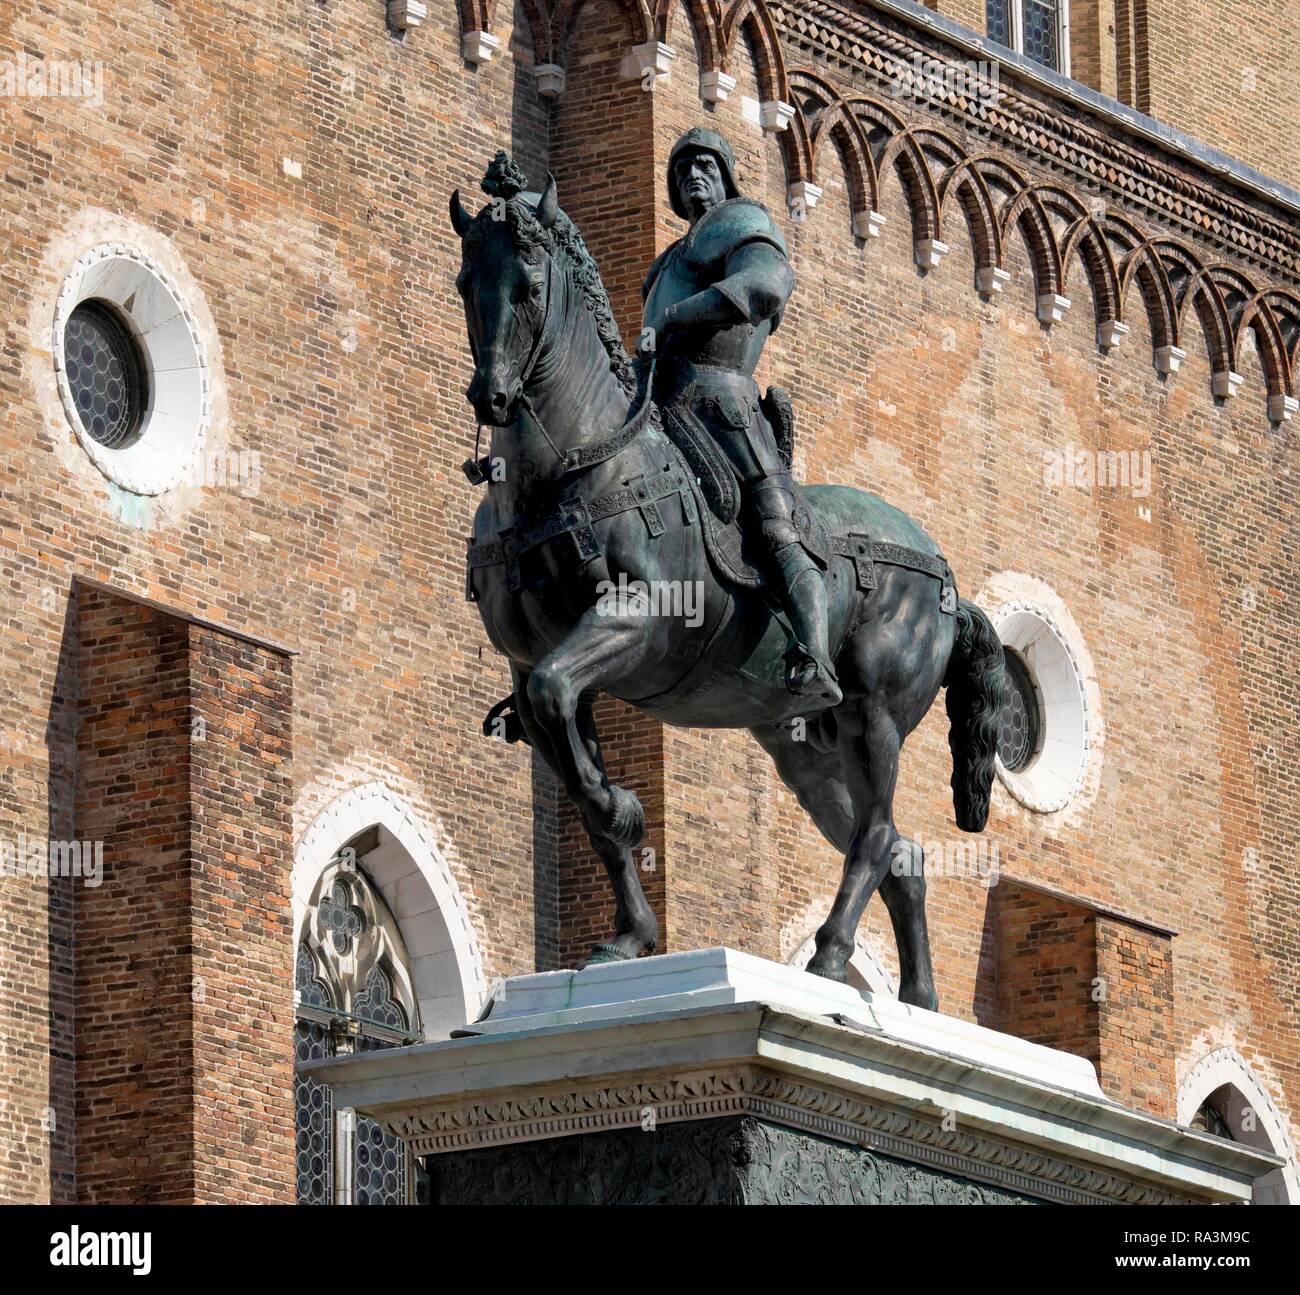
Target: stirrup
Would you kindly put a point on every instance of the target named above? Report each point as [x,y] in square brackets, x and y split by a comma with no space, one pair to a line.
[823,683]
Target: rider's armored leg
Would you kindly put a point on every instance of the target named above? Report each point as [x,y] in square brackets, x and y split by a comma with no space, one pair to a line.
[803,593]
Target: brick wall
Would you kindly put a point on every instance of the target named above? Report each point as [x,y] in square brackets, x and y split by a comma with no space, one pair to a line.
[183,999]
[340,340]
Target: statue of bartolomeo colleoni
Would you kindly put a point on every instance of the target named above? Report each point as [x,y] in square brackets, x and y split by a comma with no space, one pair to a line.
[711,302]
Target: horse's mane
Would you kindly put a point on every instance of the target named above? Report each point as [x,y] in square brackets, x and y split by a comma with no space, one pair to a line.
[528,237]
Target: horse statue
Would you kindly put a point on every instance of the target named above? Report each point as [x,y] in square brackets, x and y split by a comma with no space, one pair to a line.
[592,510]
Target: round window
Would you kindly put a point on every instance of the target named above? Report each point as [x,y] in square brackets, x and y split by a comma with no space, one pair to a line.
[1043,742]
[132,370]
[1022,716]
[106,372]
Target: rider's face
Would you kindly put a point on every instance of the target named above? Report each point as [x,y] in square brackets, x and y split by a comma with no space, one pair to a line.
[699,181]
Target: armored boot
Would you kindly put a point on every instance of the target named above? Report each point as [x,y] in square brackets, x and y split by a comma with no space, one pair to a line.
[809,672]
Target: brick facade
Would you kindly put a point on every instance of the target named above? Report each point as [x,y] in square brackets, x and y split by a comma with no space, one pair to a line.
[294,165]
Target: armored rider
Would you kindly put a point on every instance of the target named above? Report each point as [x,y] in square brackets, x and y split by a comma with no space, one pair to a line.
[711,301]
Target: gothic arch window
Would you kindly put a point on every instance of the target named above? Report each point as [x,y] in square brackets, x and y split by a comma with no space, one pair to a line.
[1223,1096]
[353,993]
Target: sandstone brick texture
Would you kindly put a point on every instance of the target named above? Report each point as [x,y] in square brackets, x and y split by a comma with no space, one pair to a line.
[296,162]
[182,1004]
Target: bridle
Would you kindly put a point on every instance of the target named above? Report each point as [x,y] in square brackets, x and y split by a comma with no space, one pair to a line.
[585,456]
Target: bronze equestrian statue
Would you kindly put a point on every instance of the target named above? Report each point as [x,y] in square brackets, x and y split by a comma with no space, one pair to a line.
[827,620]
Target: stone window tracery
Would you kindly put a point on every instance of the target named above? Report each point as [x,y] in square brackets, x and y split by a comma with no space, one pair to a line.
[353,993]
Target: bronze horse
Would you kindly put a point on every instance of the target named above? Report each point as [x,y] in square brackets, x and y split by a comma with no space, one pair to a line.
[586,493]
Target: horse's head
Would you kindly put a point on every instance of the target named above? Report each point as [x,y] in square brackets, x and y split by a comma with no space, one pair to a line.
[505,283]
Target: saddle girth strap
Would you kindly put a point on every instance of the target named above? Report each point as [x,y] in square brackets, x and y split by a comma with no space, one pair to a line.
[575,517]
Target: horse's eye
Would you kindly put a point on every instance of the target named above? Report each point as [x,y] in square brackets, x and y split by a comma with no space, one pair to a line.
[535,291]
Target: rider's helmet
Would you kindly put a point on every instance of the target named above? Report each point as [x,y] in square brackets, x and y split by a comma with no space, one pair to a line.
[702,138]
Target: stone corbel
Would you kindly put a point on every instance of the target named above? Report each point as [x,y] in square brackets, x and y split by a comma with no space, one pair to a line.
[478,47]
[990,280]
[716,86]
[1110,333]
[801,198]
[1052,307]
[406,15]
[1281,409]
[868,224]
[653,58]
[550,80]
[775,115]
[1169,359]
[1225,383]
[929,252]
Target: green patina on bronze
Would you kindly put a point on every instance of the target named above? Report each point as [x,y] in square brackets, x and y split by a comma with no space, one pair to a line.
[826,620]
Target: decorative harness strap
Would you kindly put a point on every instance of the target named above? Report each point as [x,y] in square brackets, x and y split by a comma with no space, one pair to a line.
[575,518]
[865,552]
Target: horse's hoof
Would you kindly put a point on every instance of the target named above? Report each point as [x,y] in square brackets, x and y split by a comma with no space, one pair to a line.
[918,997]
[829,969]
[606,953]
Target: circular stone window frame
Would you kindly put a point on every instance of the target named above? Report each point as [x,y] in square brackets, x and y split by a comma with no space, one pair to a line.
[176,418]
[1055,775]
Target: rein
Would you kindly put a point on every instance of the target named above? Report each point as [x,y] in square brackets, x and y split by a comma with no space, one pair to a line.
[583,456]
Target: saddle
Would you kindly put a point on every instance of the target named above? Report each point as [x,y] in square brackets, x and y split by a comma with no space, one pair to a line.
[713,481]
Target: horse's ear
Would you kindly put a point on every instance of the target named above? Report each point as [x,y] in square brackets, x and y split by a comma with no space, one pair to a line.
[461,220]
[549,207]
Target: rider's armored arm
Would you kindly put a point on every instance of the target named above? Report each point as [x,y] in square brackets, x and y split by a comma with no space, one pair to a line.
[757,284]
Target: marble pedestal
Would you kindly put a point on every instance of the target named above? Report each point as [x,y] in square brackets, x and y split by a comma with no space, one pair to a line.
[714,1076]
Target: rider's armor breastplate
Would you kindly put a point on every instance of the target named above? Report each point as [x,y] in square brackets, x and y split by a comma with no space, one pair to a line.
[709,370]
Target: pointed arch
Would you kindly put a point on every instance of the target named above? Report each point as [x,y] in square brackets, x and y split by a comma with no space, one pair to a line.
[704,17]
[903,155]
[1025,211]
[641,27]
[1226,1069]
[834,120]
[1195,289]
[413,877]
[1086,240]
[752,18]
[539,26]
[964,182]
[1258,316]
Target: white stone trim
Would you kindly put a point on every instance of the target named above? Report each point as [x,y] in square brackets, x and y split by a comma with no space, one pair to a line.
[929,253]
[991,279]
[1225,383]
[409,871]
[1052,307]
[479,46]
[716,87]
[775,115]
[868,224]
[801,197]
[1169,359]
[406,15]
[166,331]
[1056,773]
[1281,409]
[653,58]
[550,80]
[1110,333]
[1227,1066]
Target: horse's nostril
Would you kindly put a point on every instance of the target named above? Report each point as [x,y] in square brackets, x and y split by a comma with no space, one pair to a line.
[498,400]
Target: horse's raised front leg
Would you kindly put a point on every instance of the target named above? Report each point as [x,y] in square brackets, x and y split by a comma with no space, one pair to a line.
[556,707]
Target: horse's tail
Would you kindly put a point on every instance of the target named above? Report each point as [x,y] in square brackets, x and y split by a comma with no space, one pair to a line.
[976,683]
